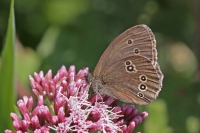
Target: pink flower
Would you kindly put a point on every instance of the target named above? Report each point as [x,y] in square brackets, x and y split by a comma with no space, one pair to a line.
[64,105]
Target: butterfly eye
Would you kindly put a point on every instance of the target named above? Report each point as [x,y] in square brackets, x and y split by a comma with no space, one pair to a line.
[131,68]
[143,78]
[140,94]
[130,41]
[136,51]
[142,87]
[128,62]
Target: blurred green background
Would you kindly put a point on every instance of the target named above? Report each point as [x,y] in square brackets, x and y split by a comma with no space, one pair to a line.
[51,33]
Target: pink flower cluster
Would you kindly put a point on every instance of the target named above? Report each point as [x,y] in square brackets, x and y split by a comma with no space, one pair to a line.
[64,105]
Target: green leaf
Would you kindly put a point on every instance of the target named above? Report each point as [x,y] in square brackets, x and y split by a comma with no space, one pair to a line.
[7,74]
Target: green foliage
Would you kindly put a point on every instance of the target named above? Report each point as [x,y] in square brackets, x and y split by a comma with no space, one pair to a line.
[157,114]
[7,74]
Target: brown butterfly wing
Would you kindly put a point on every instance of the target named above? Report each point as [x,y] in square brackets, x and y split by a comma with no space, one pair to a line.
[138,40]
[132,79]
[138,46]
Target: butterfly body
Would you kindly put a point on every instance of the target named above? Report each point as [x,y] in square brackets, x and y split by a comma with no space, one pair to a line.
[128,69]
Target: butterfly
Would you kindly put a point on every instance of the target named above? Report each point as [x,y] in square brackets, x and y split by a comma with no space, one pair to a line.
[128,69]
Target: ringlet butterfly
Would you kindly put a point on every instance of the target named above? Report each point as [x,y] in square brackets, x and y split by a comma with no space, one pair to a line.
[128,69]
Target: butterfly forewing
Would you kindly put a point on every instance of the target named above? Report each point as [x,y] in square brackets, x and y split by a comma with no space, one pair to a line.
[138,40]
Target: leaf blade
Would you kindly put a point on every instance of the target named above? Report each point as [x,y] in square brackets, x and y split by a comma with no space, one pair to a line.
[7,74]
